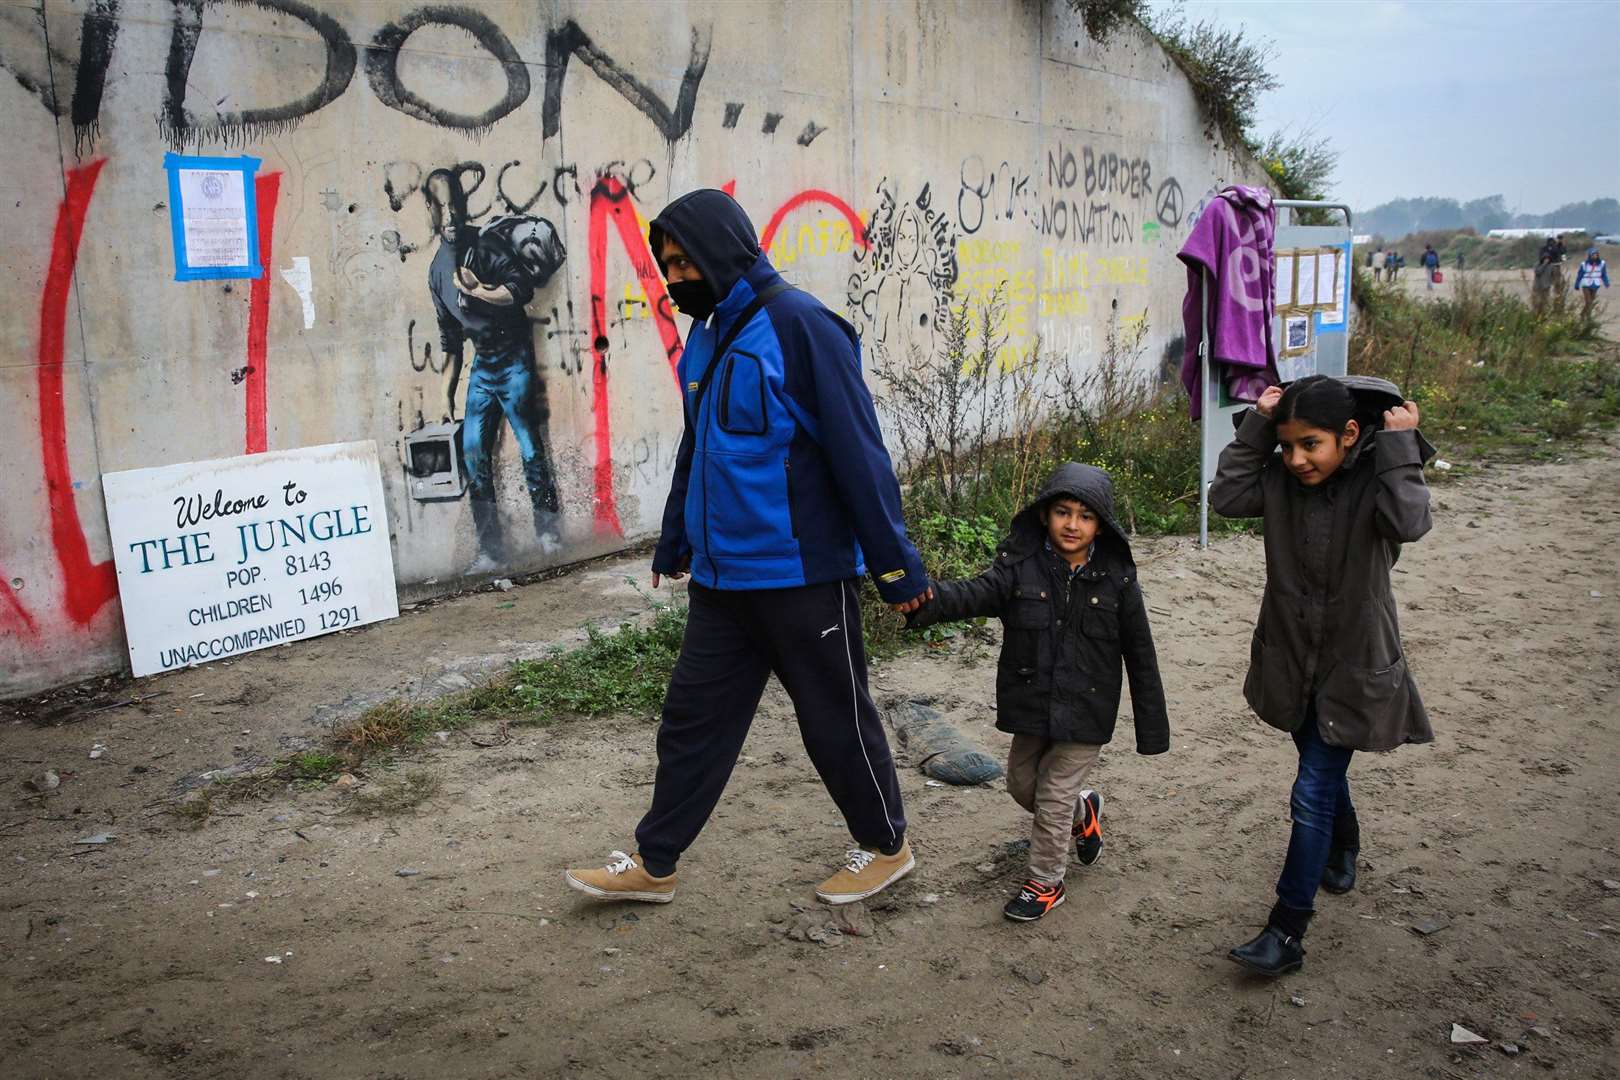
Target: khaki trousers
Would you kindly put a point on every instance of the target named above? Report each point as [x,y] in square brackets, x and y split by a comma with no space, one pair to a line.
[1046,777]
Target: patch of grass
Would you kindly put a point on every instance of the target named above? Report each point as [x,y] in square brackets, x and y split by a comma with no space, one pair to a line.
[623,670]
[303,771]
[626,670]
[314,765]
[397,794]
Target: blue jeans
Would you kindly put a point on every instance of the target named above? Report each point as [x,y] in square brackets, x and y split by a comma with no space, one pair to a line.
[1320,798]
[506,384]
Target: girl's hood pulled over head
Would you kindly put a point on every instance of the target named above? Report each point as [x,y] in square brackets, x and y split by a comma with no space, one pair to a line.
[1373,397]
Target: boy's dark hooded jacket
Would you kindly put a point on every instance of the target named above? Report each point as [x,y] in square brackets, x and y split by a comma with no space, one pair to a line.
[1064,638]
[1327,627]
[781,479]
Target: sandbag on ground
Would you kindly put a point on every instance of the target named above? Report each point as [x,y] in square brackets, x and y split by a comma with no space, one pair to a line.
[934,744]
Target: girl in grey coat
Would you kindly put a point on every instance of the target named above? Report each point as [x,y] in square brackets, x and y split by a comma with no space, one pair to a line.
[1326,662]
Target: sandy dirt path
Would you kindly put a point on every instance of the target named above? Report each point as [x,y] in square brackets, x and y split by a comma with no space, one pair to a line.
[147,956]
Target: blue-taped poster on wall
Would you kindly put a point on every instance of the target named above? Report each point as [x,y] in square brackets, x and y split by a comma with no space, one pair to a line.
[216,558]
[211,212]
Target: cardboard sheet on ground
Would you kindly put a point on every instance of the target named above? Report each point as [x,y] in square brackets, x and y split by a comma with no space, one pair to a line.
[937,747]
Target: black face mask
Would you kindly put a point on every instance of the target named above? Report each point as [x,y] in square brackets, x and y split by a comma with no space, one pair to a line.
[694,298]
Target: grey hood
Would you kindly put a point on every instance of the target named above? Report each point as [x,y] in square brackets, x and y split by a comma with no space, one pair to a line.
[1373,396]
[1073,480]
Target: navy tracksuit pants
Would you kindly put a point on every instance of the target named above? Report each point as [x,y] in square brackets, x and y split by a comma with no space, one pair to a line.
[810,637]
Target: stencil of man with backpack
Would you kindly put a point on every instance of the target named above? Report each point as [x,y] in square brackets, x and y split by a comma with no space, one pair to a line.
[480,279]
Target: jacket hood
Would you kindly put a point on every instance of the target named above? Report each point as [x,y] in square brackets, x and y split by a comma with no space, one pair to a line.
[716,233]
[1250,198]
[1373,396]
[1073,480]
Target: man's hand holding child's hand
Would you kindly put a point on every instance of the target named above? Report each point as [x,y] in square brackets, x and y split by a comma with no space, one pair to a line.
[915,602]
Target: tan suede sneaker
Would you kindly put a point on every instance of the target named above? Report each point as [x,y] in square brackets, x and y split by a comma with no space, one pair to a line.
[622,879]
[866,874]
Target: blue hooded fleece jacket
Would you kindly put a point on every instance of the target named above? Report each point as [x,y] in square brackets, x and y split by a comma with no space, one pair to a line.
[781,478]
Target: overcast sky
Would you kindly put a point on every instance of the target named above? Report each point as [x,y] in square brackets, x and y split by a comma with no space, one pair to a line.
[1457,99]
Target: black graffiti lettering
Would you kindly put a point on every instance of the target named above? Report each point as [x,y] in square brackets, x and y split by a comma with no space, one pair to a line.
[399,190]
[180,128]
[185,29]
[642,172]
[630,177]
[970,198]
[1168,204]
[911,266]
[512,205]
[426,363]
[382,67]
[100,29]
[570,171]
[808,135]
[769,126]
[570,40]
[97,34]
[446,192]
[1120,229]
[1061,169]
[1110,173]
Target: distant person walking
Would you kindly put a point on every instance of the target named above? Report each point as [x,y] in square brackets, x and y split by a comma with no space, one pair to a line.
[1377,264]
[1554,254]
[1459,260]
[1592,274]
[1431,264]
[1548,275]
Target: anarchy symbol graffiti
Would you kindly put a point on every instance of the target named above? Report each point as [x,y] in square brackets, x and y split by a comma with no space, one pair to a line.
[1168,204]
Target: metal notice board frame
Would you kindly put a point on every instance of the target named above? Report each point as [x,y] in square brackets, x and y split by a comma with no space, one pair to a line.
[1311,329]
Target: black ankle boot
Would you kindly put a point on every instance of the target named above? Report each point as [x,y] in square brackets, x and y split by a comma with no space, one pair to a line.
[1339,875]
[1277,950]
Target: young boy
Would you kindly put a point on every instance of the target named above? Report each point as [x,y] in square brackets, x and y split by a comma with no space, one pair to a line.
[1064,585]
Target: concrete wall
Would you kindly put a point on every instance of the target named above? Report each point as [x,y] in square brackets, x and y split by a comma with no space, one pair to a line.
[902,156]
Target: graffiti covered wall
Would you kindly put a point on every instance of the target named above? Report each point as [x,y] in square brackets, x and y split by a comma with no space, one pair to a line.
[898,158]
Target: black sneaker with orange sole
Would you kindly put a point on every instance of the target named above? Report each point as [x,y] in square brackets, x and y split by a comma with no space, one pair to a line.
[1033,900]
[1088,838]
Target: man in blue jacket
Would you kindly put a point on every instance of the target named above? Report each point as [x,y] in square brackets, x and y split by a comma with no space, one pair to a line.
[783,496]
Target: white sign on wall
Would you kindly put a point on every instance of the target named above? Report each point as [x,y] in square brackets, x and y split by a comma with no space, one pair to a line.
[217,558]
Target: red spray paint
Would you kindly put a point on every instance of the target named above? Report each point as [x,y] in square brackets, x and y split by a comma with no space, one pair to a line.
[87,586]
[815,195]
[13,616]
[609,199]
[265,190]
